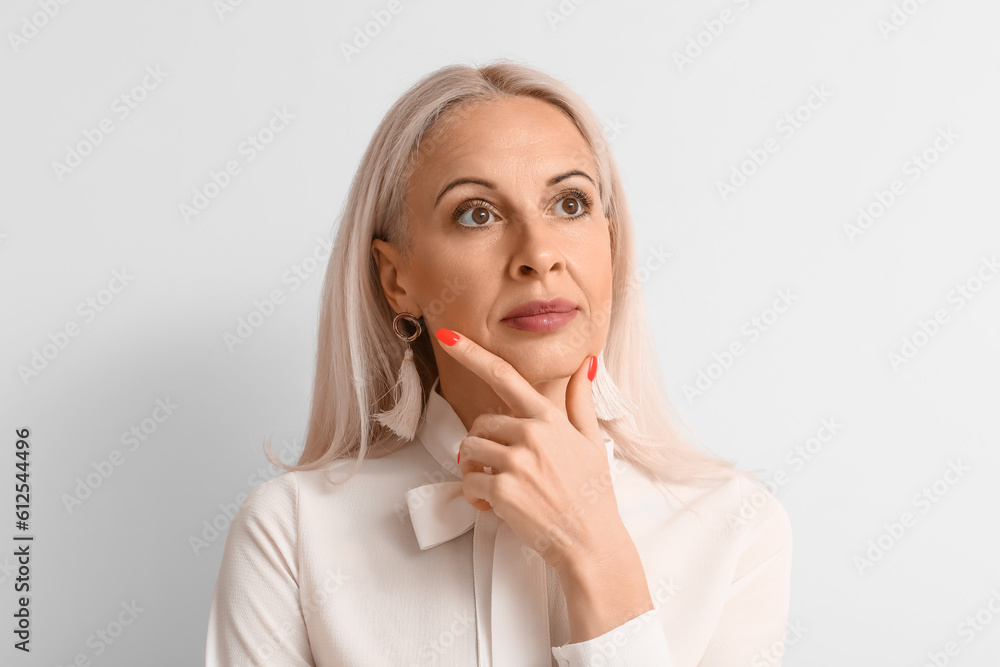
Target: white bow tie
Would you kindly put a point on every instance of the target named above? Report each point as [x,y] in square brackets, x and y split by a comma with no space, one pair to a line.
[512,609]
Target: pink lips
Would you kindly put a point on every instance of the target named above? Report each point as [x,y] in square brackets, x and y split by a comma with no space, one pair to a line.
[541,315]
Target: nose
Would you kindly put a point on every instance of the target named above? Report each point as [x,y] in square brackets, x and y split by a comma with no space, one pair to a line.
[537,248]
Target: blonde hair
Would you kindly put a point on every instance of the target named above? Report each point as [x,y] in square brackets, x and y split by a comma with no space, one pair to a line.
[358,353]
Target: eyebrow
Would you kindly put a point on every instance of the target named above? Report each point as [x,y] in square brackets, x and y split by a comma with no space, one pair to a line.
[491,186]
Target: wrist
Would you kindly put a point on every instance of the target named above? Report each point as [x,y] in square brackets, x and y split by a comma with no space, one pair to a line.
[606,553]
[604,590]
[593,575]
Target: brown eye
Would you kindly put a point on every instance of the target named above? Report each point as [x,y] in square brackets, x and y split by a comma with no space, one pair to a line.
[479,215]
[574,204]
[474,217]
[571,205]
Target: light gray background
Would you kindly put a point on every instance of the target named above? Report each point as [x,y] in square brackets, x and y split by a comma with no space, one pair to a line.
[676,131]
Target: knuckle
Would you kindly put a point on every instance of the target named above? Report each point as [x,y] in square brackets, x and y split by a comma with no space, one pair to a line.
[499,370]
[518,458]
[501,488]
[483,424]
[492,422]
[532,430]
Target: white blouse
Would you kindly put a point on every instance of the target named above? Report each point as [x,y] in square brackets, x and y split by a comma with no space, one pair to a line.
[396,568]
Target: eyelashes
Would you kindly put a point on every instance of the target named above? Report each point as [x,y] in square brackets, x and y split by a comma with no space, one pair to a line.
[471,204]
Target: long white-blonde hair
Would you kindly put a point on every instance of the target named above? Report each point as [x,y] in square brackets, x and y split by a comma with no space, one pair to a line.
[358,353]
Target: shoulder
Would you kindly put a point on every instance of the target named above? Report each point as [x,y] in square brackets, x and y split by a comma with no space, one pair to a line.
[736,510]
[277,493]
[283,497]
[278,488]
[345,493]
[759,521]
[271,506]
[756,509]
[263,534]
[740,511]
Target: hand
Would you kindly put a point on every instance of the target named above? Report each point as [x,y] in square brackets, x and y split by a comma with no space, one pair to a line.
[550,478]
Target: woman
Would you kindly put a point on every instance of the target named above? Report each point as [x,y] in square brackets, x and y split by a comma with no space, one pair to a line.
[538,507]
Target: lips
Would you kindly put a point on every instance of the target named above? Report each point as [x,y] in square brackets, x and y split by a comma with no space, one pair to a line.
[532,308]
[541,316]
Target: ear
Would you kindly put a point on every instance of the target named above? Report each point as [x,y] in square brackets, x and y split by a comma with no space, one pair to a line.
[389,263]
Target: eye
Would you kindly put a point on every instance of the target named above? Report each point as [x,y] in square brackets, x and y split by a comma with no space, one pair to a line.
[474,214]
[569,205]
[574,204]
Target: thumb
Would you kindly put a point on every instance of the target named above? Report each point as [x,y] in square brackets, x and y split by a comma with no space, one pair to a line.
[580,400]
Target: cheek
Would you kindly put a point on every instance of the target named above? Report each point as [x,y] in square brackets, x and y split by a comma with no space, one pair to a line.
[594,268]
[595,261]
[448,292]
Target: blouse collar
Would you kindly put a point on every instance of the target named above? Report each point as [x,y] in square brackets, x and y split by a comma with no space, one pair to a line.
[442,431]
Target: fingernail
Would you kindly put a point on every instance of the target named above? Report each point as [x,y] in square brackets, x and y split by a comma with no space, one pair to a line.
[592,371]
[460,457]
[447,336]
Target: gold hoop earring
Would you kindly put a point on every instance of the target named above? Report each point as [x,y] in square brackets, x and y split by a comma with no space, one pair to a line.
[404,417]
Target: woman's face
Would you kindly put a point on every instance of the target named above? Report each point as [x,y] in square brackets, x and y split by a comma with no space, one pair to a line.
[504,210]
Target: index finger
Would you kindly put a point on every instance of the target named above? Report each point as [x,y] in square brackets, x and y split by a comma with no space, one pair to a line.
[503,378]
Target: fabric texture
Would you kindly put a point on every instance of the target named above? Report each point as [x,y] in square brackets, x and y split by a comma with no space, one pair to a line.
[391,569]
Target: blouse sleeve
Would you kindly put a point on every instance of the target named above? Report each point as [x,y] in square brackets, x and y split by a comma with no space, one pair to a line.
[751,629]
[641,641]
[256,616]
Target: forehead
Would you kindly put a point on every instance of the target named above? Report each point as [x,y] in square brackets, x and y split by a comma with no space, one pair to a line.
[482,134]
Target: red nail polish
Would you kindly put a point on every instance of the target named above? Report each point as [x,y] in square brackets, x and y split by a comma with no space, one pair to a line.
[460,457]
[447,336]
[592,371]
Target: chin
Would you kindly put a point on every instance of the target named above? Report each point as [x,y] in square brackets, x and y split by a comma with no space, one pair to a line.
[536,371]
